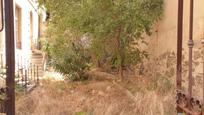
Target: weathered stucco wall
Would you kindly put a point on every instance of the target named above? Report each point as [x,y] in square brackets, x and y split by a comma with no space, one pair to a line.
[163,42]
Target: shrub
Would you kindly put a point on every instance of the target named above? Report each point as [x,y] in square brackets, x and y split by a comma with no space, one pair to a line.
[71,58]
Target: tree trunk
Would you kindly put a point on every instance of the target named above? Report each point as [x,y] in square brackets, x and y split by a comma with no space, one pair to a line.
[96,60]
[121,71]
[119,51]
[98,63]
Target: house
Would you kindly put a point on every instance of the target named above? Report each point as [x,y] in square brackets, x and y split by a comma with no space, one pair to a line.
[28,23]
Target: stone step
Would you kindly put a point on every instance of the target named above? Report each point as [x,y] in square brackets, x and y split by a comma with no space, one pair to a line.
[22,82]
[40,66]
[30,87]
[39,62]
[36,56]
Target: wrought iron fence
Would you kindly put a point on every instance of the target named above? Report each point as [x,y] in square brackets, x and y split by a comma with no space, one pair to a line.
[2,87]
[3,99]
[27,74]
[26,77]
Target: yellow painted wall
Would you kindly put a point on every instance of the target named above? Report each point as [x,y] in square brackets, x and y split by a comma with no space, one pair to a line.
[163,43]
[166,36]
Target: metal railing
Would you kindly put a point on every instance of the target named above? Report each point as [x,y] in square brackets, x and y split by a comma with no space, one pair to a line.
[2,100]
[26,76]
[27,73]
[3,87]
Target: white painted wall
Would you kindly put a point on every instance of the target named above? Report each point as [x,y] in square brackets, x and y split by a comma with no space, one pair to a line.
[26,8]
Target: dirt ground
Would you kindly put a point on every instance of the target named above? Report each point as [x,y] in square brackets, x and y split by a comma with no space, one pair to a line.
[97,96]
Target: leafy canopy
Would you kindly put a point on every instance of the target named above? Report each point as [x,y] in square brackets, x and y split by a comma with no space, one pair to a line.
[115,27]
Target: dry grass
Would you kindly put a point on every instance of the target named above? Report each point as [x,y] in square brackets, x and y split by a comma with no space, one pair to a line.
[2,82]
[94,97]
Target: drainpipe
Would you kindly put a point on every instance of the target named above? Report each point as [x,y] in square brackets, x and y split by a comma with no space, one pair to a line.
[179,48]
[179,45]
[2,16]
[190,45]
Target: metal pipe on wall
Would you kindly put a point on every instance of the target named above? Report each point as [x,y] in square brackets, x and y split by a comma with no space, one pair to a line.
[190,45]
[179,44]
[179,48]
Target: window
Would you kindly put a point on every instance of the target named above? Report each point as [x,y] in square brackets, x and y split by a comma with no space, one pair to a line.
[1,42]
[31,29]
[18,27]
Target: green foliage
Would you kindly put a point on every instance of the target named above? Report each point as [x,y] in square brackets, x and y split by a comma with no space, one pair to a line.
[115,27]
[3,97]
[2,72]
[164,85]
[70,58]
[80,113]
[84,113]
[161,83]
[19,88]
